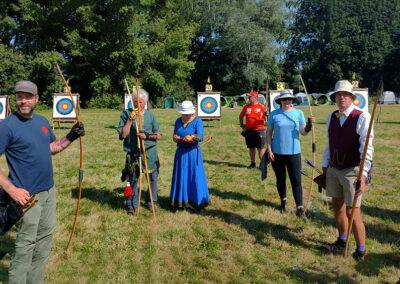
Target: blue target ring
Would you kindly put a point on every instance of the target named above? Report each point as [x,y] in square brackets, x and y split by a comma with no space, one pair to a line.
[359,101]
[64,106]
[1,107]
[209,105]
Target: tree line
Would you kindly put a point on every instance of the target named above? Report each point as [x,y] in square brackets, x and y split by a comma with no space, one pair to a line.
[172,46]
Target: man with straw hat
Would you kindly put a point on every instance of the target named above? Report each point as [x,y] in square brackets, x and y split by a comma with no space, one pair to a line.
[254,130]
[346,133]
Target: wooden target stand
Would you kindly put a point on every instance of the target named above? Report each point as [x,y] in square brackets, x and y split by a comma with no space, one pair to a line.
[59,117]
[5,107]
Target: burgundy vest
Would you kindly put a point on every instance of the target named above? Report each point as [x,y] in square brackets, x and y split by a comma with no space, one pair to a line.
[344,143]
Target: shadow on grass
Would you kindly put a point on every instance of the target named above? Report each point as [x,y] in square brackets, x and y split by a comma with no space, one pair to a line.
[382,213]
[112,127]
[6,247]
[382,233]
[113,198]
[304,276]
[389,122]
[257,228]
[229,164]
[234,195]
[374,262]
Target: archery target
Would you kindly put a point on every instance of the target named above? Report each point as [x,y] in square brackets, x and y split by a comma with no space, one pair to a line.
[361,101]
[3,107]
[209,105]
[63,107]
[128,102]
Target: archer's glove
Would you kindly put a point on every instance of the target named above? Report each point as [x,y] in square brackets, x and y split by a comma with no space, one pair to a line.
[308,126]
[132,115]
[76,131]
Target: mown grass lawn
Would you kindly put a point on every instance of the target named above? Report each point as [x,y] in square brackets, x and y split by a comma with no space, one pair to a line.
[240,238]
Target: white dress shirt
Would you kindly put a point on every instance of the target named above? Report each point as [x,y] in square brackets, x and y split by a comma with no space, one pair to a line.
[361,129]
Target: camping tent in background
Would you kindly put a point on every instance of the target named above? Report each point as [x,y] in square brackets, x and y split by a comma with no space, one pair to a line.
[321,99]
[388,98]
[241,100]
[226,101]
[169,102]
[302,99]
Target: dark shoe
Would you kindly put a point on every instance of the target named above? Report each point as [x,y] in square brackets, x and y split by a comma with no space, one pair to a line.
[123,175]
[359,255]
[131,212]
[282,207]
[301,213]
[148,206]
[251,166]
[190,209]
[336,248]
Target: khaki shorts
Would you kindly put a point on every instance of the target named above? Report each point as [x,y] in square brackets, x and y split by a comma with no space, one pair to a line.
[340,184]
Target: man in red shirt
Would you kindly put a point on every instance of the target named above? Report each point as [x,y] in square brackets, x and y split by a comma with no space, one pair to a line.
[254,129]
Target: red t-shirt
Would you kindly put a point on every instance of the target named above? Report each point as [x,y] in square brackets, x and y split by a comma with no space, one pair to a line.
[255,116]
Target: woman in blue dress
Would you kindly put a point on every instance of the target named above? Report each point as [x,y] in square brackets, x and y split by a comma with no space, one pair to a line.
[189,184]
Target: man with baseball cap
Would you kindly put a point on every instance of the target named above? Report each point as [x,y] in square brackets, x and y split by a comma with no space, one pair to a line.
[254,130]
[27,140]
[347,129]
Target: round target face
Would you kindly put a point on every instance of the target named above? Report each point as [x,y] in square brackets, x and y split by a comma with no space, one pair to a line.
[209,105]
[65,106]
[359,101]
[1,108]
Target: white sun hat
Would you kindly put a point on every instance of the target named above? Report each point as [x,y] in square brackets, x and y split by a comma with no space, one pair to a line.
[342,86]
[186,107]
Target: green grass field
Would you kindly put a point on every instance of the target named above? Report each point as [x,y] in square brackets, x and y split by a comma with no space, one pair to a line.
[239,238]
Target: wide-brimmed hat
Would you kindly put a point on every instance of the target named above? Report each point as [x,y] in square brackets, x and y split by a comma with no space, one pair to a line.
[26,87]
[253,94]
[285,95]
[186,107]
[342,86]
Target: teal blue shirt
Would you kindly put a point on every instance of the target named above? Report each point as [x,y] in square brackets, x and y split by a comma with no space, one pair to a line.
[285,137]
[130,145]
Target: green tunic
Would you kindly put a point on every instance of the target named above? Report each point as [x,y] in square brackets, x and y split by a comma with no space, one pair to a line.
[130,145]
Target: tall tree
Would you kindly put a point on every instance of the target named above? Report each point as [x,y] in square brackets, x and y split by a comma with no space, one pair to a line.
[237,43]
[102,42]
[332,39]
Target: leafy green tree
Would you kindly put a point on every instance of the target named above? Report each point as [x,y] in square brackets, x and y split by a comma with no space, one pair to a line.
[102,42]
[237,44]
[332,39]
[12,69]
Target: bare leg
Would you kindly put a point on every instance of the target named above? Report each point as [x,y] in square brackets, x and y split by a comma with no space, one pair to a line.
[358,226]
[252,153]
[339,209]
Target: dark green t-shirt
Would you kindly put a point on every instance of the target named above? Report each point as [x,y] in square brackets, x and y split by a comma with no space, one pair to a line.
[130,144]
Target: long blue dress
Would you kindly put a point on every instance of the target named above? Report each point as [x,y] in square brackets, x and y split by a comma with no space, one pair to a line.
[189,183]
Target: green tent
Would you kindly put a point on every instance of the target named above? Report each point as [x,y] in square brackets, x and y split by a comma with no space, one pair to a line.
[169,102]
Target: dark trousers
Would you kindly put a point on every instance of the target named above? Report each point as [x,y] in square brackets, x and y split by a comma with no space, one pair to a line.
[293,165]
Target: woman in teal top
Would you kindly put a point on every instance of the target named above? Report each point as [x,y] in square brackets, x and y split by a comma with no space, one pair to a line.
[284,127]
